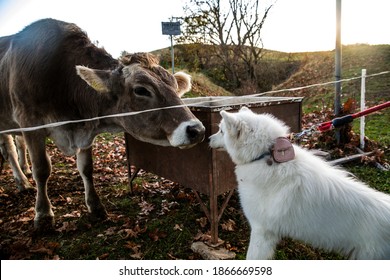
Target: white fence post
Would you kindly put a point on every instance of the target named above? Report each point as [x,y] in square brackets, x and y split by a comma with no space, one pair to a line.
[362,107]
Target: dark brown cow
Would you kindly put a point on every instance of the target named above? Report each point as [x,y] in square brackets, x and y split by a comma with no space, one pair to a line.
[43,80]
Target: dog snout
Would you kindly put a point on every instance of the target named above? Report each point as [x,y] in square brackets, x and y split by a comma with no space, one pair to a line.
[214,143]
[209,140]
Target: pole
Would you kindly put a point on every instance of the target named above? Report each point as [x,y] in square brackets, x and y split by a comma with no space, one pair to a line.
[337,101]
[362,108]
[172,56]
[337,98]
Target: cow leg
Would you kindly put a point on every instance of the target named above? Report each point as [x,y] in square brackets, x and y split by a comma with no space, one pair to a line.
[8,149]
[22,153]
[85,167]
[41,167]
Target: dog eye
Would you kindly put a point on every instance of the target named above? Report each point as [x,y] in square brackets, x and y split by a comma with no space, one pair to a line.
[141,91]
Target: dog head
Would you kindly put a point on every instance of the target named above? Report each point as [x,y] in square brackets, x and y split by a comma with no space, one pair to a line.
[246,135]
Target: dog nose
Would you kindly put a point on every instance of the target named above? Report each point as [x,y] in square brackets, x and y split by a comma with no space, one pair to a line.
[195,133]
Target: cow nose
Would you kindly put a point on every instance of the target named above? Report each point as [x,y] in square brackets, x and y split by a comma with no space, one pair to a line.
[195,133]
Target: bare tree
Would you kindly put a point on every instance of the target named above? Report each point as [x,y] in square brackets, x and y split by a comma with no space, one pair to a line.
[233,30]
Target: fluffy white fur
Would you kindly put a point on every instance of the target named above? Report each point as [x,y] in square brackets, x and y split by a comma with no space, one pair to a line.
[305,199]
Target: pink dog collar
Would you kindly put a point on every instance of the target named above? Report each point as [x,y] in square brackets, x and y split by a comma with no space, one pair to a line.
[281,151]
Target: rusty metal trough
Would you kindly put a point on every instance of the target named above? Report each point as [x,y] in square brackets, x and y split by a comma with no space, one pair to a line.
[200,168]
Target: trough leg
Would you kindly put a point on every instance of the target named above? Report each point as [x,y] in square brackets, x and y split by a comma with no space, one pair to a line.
[132,177]
[92,200]
[214,214]
[8,150]
[44,216]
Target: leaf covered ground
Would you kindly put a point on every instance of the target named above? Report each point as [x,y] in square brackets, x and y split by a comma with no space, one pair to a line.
[159,220]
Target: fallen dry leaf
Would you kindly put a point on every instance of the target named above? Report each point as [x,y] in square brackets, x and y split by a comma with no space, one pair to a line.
[137,256]
[68,226]
[129,233]
[178,227]
[229,225]
[110,231]
[156,235]
[42,250]
[25,219]
[146,208]
[135,248]
[202,221]
[103,256]
[73,214]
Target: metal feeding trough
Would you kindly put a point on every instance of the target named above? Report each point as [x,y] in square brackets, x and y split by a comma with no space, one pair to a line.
[200,168]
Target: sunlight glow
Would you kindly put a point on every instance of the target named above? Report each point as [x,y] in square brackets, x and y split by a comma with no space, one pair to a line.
[291,26]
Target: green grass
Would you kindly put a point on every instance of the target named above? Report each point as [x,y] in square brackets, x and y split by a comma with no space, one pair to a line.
[377,127]
[377,179]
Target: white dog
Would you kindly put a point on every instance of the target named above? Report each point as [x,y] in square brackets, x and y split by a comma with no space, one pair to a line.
[287,191]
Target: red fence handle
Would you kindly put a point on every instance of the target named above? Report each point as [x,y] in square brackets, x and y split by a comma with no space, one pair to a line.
[338,122]
[325,126]
[372,109]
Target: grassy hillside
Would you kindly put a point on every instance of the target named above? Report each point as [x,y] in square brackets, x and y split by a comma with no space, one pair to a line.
[274,68]
[203,86]
[318,67]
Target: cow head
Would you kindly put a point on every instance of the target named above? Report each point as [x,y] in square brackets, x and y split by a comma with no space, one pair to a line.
[140,84]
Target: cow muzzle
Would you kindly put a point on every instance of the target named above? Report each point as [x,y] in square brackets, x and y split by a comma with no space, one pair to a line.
[187,134]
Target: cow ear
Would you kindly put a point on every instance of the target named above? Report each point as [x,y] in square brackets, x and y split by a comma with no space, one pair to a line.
[97,79]
[183,82]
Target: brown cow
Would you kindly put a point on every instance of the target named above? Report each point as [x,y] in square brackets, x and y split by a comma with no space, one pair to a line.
[42,81]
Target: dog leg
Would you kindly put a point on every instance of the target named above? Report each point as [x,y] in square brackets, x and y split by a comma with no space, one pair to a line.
[261,245]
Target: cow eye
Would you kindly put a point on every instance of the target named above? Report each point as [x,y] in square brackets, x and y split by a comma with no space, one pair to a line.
[141,91]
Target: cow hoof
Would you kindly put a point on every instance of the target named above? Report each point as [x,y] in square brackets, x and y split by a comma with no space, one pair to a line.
[99,214]
[45,224]
[23,185]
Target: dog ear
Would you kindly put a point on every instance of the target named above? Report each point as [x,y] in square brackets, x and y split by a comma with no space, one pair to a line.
[245,109]
[233,125]
[230,120]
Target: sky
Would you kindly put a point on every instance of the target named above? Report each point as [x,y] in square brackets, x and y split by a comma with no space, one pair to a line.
[135,25]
